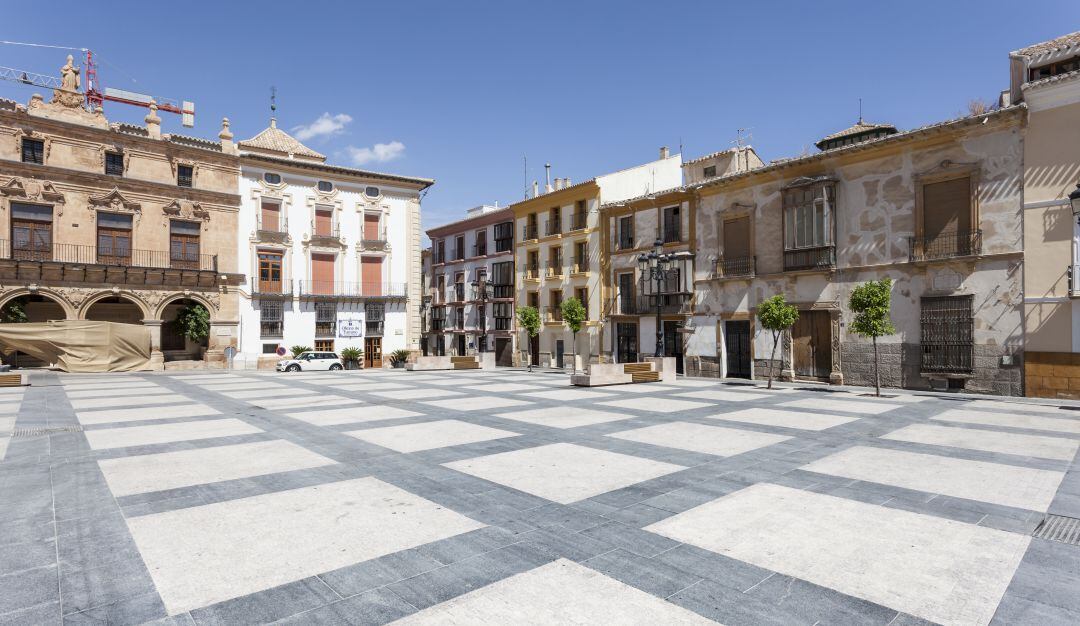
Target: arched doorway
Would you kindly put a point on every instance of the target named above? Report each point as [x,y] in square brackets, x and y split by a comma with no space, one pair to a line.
[175,345]
[115,309]
[30,308]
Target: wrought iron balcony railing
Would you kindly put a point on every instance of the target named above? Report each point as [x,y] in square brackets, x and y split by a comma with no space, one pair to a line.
[946,245]
[325,231]
[339,289]
[532,272]
[552,314]
[821,257]
[528,231]
[578,221]
[579,266]
[554,268]
[265,288]
[271,329]
[279,226]
[552,227]
[479,249]
[735,267]
[111,255]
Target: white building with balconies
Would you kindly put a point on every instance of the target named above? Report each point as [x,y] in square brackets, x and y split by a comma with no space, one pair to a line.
[331,254]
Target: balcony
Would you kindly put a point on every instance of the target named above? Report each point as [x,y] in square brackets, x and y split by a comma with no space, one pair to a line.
[578,221]
[350,290]
[502,291]
[271,329]
[271,288]
[70,263]
[552,228]
[672,235]
[625,242]
[479,249]
[579,266]
[532,272]
[114,256]
[528,232]
[374,329]
[552,315]
[669,303]
[822,257]
[554,269]
[325,234]
[275,229]
[736,267]
[457,293]
[380,245]
[325,329]
[947,245]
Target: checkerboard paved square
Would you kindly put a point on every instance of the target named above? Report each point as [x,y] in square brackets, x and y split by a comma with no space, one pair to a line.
[564,417]
[127,436]
[847,406]
[429,435]
[1030,422]
[988,440]
[352,415]
[569,395]
[724,395]
[563,472]
[658,405]
[477,403]
[700,438]
[108,416]
[786,419]
[417,394]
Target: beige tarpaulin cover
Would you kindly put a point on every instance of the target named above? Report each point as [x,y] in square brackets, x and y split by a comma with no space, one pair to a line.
[81,346]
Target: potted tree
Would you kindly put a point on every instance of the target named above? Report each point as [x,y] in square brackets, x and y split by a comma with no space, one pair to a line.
[870,302]
[352,357]
[399,357]
[529,319]
[194,322]
[776,316]
[298,350]
[574,314]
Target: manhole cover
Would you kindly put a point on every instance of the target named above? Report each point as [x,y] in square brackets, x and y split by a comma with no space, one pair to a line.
[33,432]
[1059,528]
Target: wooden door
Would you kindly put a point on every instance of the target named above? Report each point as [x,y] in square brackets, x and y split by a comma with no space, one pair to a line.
[812,344]
[737,345]
[504,356]
[322,274]
[534,349]
[373,352]
[673,343]
[626,342]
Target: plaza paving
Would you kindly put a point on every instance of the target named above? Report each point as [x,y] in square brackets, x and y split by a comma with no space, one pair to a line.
[509,497]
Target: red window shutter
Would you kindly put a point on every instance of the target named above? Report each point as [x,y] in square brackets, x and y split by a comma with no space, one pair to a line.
[371,275]
[324,222]
[371,228]
[322,273]
[271,214]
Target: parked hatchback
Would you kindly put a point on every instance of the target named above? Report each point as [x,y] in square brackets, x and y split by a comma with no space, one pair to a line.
[310,361]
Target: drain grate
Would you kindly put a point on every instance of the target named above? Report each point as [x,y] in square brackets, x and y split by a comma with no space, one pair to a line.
[33,432]
[1059,528]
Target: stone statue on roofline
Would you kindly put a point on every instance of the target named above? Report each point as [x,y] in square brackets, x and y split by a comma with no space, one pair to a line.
[68,94]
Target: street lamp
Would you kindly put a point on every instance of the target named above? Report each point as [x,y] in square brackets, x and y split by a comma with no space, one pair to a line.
[483,291]
[655,266]
[1074,199]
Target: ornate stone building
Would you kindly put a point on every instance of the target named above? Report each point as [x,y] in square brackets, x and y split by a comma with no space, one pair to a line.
[117,222]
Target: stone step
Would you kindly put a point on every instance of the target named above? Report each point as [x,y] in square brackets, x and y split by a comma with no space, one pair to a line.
[462,359]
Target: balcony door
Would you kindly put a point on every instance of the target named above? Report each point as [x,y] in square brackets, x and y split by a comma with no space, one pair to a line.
[184,245]
[114,239]
[31,232]
[269,272]
[371,228]
[322,274]
[324,222]
[371,272]
[270,217]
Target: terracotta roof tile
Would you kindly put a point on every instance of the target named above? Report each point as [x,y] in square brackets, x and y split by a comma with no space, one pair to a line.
[274,139]
[1064,41]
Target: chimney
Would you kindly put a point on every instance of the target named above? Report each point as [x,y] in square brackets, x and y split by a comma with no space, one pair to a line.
[536,189]
[547,175]
[664,152]
[565,183]
[560,183]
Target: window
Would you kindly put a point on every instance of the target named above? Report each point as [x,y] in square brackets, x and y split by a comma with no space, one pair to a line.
[504,315]
[808,216]
[374,315]
[184,245]
[577,222]
[946,214]
[184,175]
[31,232]
[459,287]
[114,164]
[502,279]
[114,239]
[372,192]
[272,178]
[534,299]
[269,348]
[626,232]
[270,219]
[270,319]
[554,223]
[325,186]
[532,269]
[459,317]
[33,151]
[504,236]
[480,247]
[555,262]
[373,227]
[459,247]
[582,294]
[735,256]
[709,171]
[672,225]
[440,289]
[325,321]
[626,293]
[580,262]
[555,314]
[440,251]
[324,222]
[325,345]
[946,334]
[530,227]
[269,279]
[1055,69]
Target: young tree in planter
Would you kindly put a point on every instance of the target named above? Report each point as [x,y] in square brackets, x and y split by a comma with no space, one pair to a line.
[529,320]
[870,303]
[298,350]
[573,313]
[776,316]
[194,322]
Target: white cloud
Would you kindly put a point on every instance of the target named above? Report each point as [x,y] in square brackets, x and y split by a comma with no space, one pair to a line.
[379,153]
[325,126]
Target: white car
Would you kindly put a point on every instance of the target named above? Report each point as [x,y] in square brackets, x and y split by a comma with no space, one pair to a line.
[310,361]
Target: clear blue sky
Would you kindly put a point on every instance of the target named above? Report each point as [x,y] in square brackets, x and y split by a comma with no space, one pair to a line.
[468,88]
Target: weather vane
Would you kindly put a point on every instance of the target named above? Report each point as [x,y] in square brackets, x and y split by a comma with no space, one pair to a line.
[273,99]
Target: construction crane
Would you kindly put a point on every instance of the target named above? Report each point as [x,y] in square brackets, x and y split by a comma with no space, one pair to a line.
[95,93]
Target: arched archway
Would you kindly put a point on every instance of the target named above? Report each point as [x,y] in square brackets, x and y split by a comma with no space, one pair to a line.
[175,345]
[112,308]
[30,307]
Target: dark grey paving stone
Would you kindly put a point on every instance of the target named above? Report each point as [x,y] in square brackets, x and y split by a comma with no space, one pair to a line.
[651,575]
[726,571]
[137,610]
[639,515]
[470,544]
[560,543]
[729,606]
[16,557]
[378,606]
[1017,610]
[631,539]
[813,603]
[268,605]
[48,613]
[28,588]
[89,550]
[561,515]
[384,570]
[90,588]
[1047,583]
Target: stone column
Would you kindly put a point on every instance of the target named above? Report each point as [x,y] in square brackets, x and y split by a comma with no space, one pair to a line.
[157,357]
[787,356]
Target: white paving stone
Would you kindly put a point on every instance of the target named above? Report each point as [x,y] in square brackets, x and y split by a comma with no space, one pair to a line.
[564,417]
[351,415]
[563,472]
[1032,422]
[690,382]
[786,419]
[847,406]
[1022,407]
[561,592]
[429,435]
[565,395]
[477,403]
[1009,485]
[641,388]
[417,394]
[172,470]
[194,377]
[933,568]
[716,440]
[244,386]
[125,401]
[259,394]
[724,395]
[205,554]
[367,386]
[1057,448]
[303,401]
[503,387]
[108,416]
[4,441]
[115,384]
[657,405]
[104,438]
[118,391]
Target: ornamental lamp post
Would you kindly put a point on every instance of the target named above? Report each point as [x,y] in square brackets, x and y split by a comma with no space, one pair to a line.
[1074,200]
[655,267]
[483,290]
